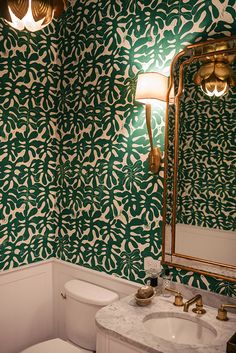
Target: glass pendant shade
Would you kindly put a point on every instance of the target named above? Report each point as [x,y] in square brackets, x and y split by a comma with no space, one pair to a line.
[32,15]
[215,78]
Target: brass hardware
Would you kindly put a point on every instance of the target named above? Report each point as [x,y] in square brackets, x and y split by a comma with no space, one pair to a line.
[63,295]
[199,305]
[222,312]
[154,156]
[154,159]
[178,297]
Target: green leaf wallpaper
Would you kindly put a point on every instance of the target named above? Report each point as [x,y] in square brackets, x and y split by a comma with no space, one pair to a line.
[89,163]
[29,145]
[109,205]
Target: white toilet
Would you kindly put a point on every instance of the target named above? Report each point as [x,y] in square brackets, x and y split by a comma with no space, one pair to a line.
[83,300]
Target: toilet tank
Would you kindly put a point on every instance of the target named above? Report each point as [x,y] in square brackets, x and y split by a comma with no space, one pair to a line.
[83,300]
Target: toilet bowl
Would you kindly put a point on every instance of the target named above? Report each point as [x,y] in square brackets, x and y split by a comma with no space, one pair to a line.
[82,301]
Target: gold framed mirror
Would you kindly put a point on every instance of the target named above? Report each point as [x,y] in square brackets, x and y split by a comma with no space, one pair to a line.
[199,217]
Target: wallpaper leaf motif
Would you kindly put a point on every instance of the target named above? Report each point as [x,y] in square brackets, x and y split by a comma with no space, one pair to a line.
[28,145]
[74,174]
[104,46]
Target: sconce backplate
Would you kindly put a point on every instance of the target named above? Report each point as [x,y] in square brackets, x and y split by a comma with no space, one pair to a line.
[154,158]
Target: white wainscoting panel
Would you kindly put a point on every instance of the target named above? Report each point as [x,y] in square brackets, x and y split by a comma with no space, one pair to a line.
[26,306]
[31,306]
[64,271]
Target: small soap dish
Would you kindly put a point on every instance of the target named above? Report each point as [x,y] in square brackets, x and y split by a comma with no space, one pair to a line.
[143,301]
[231,344]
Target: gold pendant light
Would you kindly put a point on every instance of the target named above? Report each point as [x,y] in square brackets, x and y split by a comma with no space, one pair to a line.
[32,15]
[215,78]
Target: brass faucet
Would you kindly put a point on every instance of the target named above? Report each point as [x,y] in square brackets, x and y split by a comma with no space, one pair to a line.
[222,313]
[199,304]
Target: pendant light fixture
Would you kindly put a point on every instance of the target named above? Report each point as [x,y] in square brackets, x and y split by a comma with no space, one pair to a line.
[215,78]
[32,15]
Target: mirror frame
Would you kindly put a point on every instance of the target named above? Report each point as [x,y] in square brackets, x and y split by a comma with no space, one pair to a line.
[193,52]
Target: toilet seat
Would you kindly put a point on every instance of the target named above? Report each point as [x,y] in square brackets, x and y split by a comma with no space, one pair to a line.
[55,345]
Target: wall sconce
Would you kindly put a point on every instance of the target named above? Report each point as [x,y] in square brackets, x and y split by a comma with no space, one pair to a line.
[151,87]
[31,14]
[215,78]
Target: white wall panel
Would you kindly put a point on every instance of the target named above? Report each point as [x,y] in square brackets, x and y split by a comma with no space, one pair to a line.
[25,307]
[31,305]
[64,271]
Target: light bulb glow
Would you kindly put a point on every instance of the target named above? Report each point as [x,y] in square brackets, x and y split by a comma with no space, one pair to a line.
[27,21]
[215,92]
[213,86]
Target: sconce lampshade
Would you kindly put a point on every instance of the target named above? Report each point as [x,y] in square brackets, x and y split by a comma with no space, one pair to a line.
[151,87]
[32,15]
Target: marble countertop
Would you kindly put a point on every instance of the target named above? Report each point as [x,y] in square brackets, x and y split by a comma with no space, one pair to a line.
[124,320]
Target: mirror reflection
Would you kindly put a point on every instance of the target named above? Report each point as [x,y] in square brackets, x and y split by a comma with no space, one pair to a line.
[200,196]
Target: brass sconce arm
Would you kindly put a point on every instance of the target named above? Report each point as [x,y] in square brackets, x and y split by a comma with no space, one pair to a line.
[148,122]
[154,156]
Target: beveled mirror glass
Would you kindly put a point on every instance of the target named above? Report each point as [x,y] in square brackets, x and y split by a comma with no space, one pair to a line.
[200,153]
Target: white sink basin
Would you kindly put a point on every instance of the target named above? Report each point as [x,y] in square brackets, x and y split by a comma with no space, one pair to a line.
[180,328]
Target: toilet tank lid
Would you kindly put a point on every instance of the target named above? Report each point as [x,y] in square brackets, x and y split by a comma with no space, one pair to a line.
[89,293]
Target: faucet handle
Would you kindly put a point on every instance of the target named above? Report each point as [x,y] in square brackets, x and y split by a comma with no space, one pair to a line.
[222,312]
[178,297]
